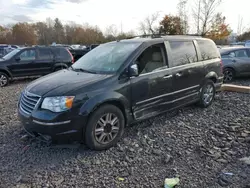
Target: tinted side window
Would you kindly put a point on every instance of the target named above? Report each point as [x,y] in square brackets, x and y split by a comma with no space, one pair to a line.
[183,52]
[64,53]
[45,54]
[56,52]
[208,49]
[27,55]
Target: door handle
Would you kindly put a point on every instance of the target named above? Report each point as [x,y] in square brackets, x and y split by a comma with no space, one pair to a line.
[234,61]
[168,76]
[178,74]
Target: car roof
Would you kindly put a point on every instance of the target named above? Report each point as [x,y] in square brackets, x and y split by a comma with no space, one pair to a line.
[228,49]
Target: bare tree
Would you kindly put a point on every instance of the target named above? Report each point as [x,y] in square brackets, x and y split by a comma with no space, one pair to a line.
[183,14]
[204,12]
[240,28]
[147,26]
[111,30]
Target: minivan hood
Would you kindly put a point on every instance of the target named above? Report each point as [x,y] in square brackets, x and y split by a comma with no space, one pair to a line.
[63,81]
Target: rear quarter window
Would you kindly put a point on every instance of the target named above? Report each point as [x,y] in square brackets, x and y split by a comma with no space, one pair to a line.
[208,49]
[61,53]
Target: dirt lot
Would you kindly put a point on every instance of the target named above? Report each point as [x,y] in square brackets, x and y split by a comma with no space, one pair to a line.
[201,146]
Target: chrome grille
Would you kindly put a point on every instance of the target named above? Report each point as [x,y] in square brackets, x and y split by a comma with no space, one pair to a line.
[28,102]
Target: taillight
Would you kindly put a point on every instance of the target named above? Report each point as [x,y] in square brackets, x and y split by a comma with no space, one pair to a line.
[72,57]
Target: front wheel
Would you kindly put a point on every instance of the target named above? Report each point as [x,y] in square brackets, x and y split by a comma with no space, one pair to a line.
[207,94]
[4,79]
[104,128]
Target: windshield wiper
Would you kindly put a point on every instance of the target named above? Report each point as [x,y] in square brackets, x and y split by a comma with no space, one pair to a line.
[84,70]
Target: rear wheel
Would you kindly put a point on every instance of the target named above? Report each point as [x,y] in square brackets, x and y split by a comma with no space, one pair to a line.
[207,94]
[228,75]
[4,79]
[104,128]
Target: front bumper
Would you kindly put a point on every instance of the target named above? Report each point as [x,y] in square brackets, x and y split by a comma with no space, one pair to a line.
[52,128]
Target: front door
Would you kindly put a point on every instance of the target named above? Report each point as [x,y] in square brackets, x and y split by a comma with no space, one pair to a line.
[23,64]
[151,89]
[187,72]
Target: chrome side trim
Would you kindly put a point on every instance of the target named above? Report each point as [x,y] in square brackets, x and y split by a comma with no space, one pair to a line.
[169,102]
[31,94]
[164,95]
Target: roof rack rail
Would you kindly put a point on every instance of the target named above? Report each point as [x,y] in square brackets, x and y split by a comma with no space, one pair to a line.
[162,35]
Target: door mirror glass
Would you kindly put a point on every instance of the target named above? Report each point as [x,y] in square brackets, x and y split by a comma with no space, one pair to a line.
[17,58]
[133,70]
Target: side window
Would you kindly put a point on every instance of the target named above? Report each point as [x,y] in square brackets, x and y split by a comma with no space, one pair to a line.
[241,53]
[27,55]
[230,55]
[183,52]
[44,54]
[208,49]
[65,54]
[56,51]
[151,59]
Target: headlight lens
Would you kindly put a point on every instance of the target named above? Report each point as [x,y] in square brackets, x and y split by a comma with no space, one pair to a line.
[58,104]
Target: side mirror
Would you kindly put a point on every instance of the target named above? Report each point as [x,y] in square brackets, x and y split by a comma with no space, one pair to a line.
[17,58]
[133,70]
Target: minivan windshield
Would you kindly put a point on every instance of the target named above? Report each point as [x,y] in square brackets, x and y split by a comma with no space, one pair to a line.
[106,58]
[11,54]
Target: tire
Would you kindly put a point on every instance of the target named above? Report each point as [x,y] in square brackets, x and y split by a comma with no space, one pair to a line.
[4,79]
[102,139]
[229,75]
[207,94]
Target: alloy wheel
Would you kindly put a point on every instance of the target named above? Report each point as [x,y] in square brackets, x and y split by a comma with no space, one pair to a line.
[107,128]
[3,80]
[228,75]
[208,94]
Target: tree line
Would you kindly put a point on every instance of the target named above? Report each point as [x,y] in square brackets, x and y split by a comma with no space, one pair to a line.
[45,33]
[208,23]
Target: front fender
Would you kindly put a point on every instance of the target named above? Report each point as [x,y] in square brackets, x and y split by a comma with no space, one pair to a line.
[95,101]
[6,71]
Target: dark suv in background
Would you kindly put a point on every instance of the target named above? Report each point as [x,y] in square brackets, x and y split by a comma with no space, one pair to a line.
[119,83]
[33,61]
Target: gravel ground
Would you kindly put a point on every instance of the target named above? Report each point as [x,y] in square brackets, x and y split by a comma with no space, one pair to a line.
[201,146]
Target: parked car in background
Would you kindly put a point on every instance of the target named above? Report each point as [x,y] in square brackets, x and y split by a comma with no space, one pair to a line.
[119,83]
[78,52]
[33,61]
[5,49]
[236,62]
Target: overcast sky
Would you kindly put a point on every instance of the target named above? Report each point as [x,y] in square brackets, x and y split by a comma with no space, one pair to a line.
[125,13]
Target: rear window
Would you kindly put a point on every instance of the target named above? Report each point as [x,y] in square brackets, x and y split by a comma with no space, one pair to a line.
[183,52]
[61,53]
[208,49]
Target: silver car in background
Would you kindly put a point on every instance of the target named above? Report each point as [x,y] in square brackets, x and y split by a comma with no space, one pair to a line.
[236,62]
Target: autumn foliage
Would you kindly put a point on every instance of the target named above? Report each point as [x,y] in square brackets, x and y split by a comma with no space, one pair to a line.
[219,30]
[171,25]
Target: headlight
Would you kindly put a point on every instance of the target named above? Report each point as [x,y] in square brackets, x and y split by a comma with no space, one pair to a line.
[58,104]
